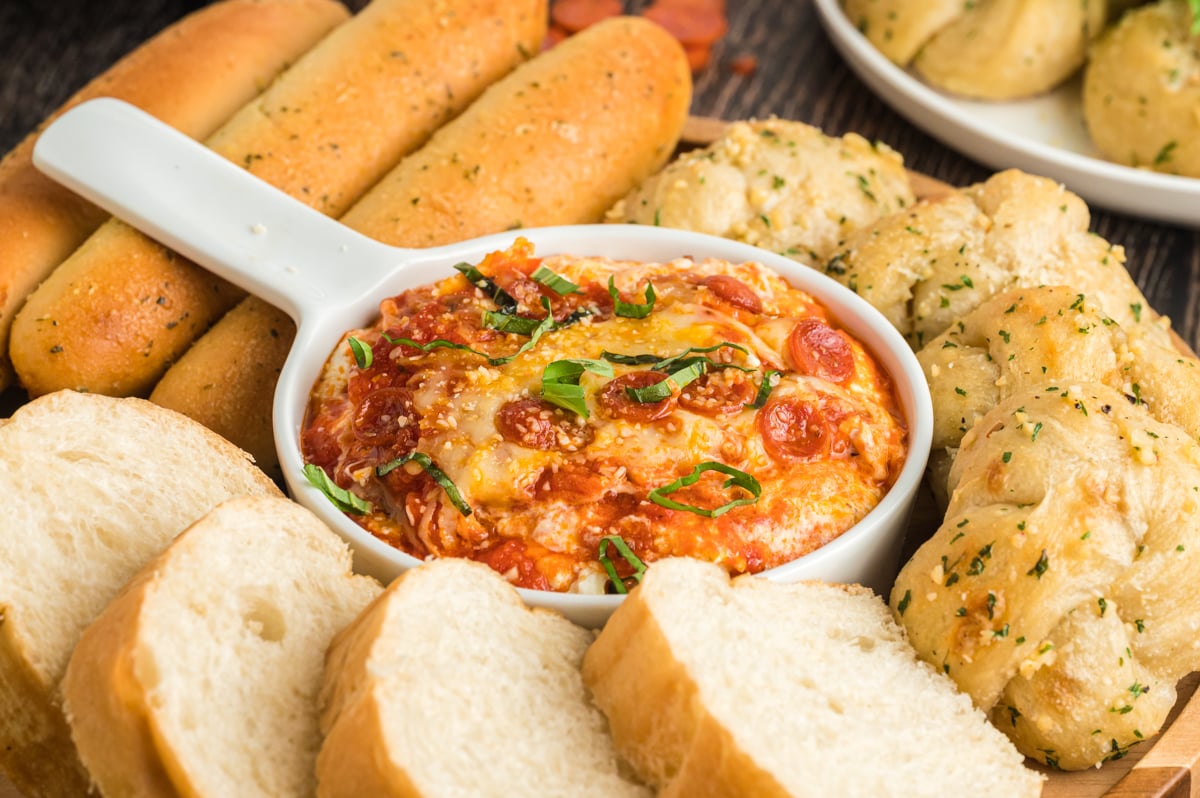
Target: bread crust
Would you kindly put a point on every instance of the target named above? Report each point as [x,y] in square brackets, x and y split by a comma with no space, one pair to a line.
[35,746]
[110,706]
[926,267]
[1023,337]
[33,731]
[992,49]
[226,380]
[408,668]
[623,86]
[193,75]
[781,185]
[679,748]
[120,309]
[557,142]
[1140,90]
[118,704]
[688,668]
[899,28]
[1069,509]
[353,758]
[1009,49]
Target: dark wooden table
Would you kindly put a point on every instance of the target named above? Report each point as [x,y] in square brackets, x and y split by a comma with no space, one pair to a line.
[49,48]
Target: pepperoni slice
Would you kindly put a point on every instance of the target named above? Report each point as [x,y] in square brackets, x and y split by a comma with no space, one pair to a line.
[382,374]
[573,482]
[386,418]
[794,430]
[575,15]
[818,350]
[536,424]
[619,404]
[734,291]
[690,23]
[719,393]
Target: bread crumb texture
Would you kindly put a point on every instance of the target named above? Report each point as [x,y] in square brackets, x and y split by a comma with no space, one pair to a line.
[749,687]
[450,685]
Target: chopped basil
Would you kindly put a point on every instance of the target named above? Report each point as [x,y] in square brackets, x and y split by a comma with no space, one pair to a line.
[736,478]
[629,360]
[683,358]
[663,390]
[555,282]
[342,499]
[439,476]
[485,284]
[542,327]
[560,382]
[618,543]
[576,316]
[510,323]
[364,356]
[1040,566]
[436,343]
[764,389]
[628,309]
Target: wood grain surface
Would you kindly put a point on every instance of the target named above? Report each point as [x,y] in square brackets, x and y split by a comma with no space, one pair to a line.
[49,49]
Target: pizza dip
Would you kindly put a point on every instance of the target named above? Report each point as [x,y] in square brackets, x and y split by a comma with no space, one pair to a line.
[567,420]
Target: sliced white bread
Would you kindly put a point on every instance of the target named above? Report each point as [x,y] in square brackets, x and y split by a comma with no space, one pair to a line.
[202,677]
[751,687]
[448,685]
[94,488]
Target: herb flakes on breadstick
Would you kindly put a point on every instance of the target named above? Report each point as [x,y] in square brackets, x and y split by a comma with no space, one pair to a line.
[193,75]
[116,313]
[556,142]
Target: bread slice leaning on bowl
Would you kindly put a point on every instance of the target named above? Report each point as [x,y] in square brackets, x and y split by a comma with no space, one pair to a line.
[449,685]
[202,677]
[749,687]
[94,487]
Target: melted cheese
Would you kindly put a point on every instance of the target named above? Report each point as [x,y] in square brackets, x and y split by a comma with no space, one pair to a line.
[457,397]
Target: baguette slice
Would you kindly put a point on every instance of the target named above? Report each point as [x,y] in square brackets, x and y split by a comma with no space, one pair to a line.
[201,678]
[449,686]
[95,488]
[752,687]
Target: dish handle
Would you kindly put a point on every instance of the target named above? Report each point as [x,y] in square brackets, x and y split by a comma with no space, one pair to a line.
[208,209]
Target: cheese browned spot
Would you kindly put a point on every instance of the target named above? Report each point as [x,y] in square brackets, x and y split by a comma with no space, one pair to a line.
[731,365]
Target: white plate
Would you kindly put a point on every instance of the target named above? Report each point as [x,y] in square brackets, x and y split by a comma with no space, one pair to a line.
[1045,135]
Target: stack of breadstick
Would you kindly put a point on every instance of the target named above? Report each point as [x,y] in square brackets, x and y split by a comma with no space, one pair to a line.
[415,123]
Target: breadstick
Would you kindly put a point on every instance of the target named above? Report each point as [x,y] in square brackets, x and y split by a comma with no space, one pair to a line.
[117,312]
[556,142]
[193,75]
[226,380]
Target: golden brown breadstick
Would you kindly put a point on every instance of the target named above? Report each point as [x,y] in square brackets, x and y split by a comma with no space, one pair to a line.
[226,380]
[193,75]
[115,314]
[556,142]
